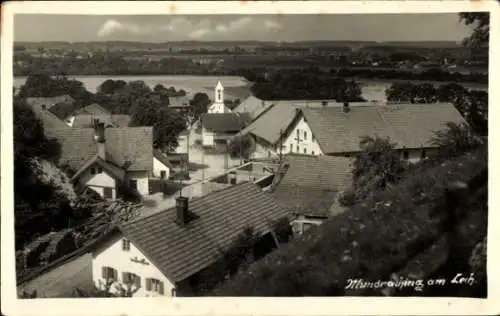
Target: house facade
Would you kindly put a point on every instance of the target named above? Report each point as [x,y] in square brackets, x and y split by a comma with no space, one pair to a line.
[119,261]
[172,252]
[162,168]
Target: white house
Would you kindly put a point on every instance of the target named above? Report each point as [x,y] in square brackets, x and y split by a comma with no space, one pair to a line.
[219,128]
[119,261]
[338,130]
[161,165]
[168,252]
[218,105]
[105,159]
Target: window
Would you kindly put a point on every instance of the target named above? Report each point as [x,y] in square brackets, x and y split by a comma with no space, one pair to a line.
[312,152]
[133,184]
[107,193]
[424,153]
[154,285]
[305,151]
[173,292]
[406,155]
[163,174]
[109,273]
[125,244]
[291,148]
[98,170]
[298,149]
[298,133]
[313,139]
[233,180]
[93,171]
[131,278]
[305,135]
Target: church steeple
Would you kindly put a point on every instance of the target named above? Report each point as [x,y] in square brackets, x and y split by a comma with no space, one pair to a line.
[219,93]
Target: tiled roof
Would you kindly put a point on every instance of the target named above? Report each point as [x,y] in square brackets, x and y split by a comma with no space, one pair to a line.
[162,158]
[181,251]
[310,184]
[62,110]
[117,120]
[94,109]
[77,145]
[275,118]
[118,173]
[131,144]
[408,125]
[223,122]
[253,106]
[49,120]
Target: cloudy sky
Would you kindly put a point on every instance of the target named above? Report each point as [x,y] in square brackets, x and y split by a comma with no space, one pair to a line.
[150,28]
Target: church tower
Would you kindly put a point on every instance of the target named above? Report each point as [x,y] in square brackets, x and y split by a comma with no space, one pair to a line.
[218,105]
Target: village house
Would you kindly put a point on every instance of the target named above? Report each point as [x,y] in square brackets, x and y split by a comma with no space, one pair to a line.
[336,129]
[108,160]
[180,104]
[253,106]
[308,188]
[84,117]
[218,128]
[175,252]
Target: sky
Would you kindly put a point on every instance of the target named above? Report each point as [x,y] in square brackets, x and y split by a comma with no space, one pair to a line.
[163,28]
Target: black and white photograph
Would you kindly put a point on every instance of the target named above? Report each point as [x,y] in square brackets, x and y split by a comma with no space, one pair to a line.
[177,155]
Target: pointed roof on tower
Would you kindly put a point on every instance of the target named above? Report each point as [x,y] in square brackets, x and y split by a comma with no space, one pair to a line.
[219,85]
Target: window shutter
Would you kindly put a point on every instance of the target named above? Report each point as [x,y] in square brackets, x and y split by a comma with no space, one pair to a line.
[137,281]
[115,274]
[148,284]
[160,285]
[125,277]
[105,273]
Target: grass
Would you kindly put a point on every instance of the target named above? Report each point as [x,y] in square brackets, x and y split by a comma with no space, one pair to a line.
[372,239]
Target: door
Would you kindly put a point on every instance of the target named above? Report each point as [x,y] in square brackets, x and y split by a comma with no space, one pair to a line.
[108,193]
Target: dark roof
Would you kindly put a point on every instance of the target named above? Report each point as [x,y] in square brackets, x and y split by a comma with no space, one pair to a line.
[311,184]
[131,145]
[253,106]
[162,158]
[181,251]
[94,109]
[275,118]
[115,171]
[62,110]
[49,120]
[116,120]
[224,122]
[408,125]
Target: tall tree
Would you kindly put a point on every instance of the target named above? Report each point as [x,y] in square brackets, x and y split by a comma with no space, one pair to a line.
[481,32]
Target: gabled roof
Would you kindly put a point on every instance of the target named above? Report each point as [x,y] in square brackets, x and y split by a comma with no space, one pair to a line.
[270,122]
[49,120]
[311,184]
[62,110]
[162,158]
[181,251]
[94,109]
[408,125]
[253,106]
[224,122]
[77,145]
[113,170]
[116,120]
[130,147]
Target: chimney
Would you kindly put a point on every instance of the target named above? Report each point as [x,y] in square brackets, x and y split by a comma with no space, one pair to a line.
[345,107]
[101,147]
[181,207]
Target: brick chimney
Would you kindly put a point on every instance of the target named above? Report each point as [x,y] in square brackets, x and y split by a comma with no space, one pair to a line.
[181,208]
[100,139]
[345,107]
